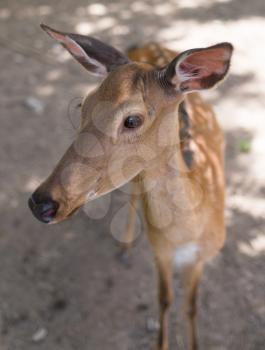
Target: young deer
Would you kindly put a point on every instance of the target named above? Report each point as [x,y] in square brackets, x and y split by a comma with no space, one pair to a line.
[144,122]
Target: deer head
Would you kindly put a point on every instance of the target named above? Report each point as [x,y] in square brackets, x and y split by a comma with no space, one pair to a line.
[128,123]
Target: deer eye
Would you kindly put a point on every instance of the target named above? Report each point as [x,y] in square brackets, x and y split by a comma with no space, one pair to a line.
[132,122]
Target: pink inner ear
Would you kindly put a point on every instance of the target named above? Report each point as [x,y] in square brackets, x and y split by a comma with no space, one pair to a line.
[72,46]
[205,62]
[203,68]
[189,70]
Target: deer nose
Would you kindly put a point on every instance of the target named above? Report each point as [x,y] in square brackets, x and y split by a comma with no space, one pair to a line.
[43,207]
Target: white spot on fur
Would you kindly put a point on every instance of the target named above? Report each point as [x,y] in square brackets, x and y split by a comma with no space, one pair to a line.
[91,195]
[186,254]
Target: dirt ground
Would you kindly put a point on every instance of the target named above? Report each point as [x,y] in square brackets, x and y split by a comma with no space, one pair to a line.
[62,286]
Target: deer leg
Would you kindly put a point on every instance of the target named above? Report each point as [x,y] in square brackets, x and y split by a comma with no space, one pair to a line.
[192,277]
[165,301]
[130,229]
[130,226]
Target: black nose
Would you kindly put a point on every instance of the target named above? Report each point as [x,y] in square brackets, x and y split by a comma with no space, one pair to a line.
[43,207]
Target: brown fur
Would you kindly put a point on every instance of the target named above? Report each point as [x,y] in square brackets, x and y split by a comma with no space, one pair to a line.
[203,138]
[183,201]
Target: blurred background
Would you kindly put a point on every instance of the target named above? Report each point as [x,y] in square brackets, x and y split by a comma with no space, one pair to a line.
[62,287]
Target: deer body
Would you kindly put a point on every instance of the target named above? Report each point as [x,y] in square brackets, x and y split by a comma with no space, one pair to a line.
[185,207]
[196,191]
[168,141]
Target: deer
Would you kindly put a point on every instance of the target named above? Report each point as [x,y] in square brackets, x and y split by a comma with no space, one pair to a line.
[146,124]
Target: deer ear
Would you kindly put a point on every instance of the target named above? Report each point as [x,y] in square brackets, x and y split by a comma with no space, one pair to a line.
[97,57]
[200,69]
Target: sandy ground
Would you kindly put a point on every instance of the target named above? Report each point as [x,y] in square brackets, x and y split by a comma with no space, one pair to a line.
[62,287]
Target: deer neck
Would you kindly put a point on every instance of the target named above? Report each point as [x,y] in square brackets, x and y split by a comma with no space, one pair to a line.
[168,192]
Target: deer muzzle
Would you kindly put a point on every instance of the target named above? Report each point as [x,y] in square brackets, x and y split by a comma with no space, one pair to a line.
[43,207]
